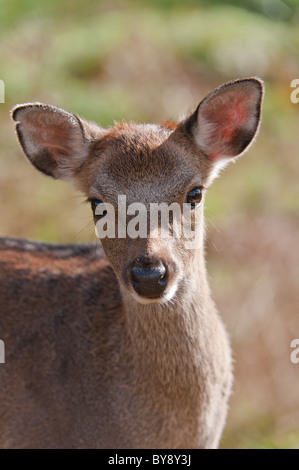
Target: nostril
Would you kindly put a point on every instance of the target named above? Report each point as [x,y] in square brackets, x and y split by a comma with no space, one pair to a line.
[163,279]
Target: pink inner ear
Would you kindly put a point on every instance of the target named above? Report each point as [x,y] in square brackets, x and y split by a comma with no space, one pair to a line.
[57,151]
[228,114]
[53,137]
[238,114]
[225,116]
[227,134]
[231,116]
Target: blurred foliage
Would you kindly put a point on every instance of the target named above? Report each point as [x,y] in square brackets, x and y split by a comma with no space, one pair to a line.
[152,61]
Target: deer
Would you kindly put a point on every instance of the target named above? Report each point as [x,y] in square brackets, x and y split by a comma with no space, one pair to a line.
[118,344]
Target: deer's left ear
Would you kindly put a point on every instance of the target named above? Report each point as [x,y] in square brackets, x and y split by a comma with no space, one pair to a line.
[227,120]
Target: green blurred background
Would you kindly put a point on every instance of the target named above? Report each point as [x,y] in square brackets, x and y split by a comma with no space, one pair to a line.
[153,61]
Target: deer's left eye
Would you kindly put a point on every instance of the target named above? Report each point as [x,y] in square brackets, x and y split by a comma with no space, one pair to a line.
[194,197]
[95,202]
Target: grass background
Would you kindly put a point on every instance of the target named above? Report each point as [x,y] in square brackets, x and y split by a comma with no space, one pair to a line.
[151,61]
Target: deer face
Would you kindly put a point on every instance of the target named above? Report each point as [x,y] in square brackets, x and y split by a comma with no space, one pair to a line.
[133,170]
[146,173]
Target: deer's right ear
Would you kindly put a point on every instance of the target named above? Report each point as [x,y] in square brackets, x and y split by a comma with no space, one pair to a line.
[55,142]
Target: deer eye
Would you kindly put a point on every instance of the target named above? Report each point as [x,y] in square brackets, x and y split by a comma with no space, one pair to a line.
[95,203]
[194,197]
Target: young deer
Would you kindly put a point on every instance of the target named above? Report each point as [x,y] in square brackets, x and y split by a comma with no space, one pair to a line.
[126,351]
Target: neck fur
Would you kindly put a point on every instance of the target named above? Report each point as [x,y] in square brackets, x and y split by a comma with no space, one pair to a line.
[165,339]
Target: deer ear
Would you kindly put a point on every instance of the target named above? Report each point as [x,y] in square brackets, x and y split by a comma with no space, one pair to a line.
[55,142]
[227,120]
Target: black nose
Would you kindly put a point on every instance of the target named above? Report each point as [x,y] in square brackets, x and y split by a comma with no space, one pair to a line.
[149,277]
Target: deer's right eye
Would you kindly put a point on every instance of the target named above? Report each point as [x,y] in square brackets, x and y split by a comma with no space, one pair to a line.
[95,205]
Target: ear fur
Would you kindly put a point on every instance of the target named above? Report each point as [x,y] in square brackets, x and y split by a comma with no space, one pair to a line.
[226,122]
[55,141]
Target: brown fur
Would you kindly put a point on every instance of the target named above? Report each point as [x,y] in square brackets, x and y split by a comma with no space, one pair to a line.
[88,363]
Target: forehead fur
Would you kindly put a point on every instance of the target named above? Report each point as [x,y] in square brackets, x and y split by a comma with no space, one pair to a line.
[131,155]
